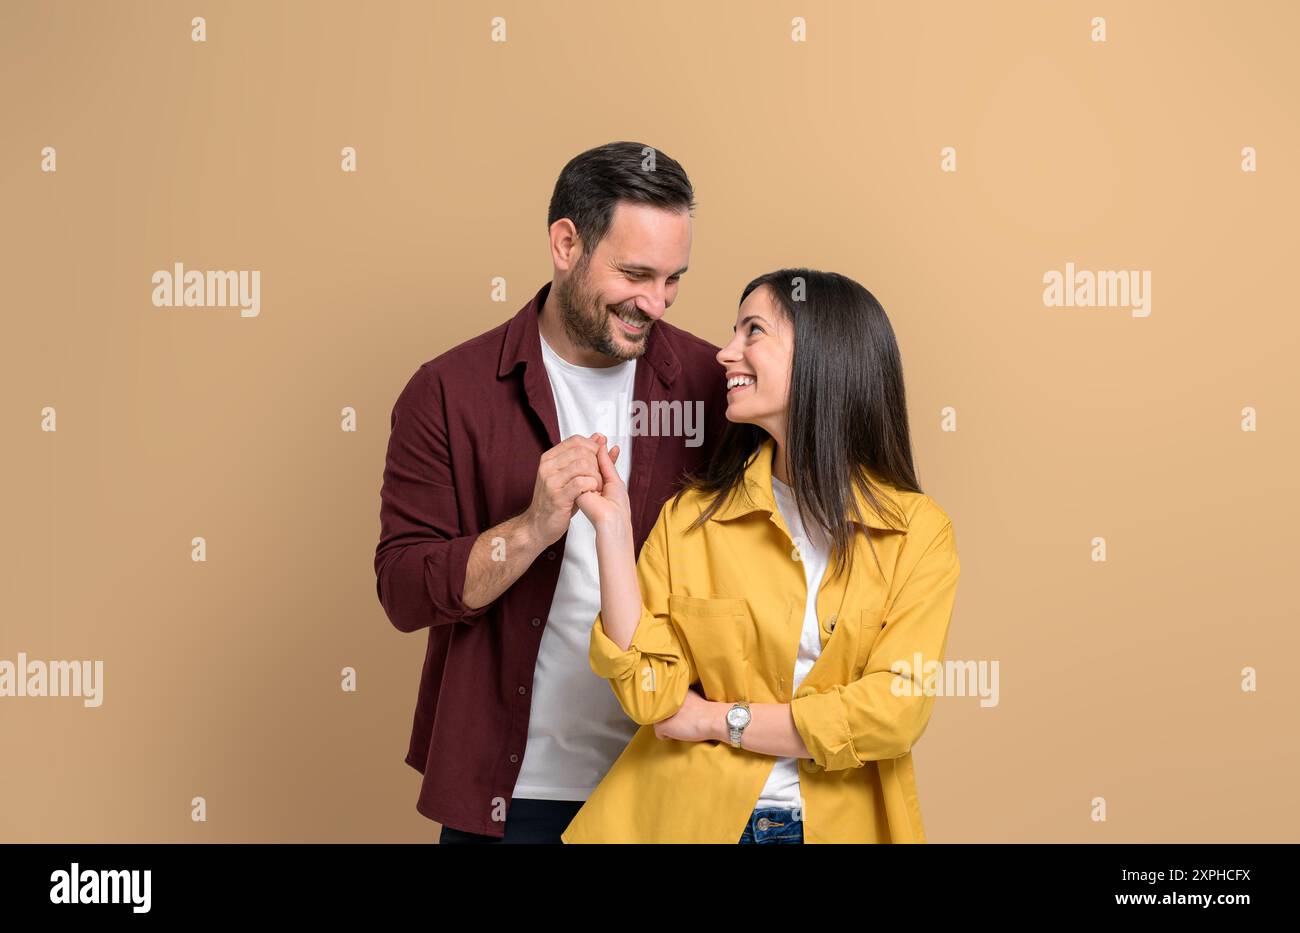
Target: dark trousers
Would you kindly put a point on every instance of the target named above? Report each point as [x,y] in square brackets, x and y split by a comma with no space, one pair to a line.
[527,821]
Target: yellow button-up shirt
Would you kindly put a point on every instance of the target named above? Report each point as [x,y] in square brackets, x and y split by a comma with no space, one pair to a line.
[723,606]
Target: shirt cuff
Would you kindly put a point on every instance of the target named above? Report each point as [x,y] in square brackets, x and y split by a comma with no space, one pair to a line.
[611,662]
[445,579]
[822,724]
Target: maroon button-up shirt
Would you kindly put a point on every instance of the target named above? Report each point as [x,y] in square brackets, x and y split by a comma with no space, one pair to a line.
[467,433]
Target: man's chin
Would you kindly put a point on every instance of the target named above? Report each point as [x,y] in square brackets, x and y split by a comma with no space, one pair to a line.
[625,347]
[627,353]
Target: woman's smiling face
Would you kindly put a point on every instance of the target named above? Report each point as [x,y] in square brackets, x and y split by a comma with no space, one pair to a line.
[757,362]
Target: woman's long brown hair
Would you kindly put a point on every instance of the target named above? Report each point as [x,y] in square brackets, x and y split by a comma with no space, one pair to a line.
[847,409]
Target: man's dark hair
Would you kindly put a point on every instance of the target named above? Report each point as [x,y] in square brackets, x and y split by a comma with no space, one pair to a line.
[593,182]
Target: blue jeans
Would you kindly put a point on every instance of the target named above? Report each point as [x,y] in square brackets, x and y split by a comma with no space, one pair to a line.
[774,825]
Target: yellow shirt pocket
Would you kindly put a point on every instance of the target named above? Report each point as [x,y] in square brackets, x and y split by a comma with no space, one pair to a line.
[719,633]
[871,624]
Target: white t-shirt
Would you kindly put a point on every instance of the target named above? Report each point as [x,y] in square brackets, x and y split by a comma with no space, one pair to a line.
[576,727]
[782,787]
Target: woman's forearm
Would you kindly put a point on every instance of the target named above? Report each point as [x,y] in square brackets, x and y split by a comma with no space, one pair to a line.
[620,593]
[771,730]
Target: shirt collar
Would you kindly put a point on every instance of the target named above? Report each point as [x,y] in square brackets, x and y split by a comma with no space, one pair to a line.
[757,494]
[523,343]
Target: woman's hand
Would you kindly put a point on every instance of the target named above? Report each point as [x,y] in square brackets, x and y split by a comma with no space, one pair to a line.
[610,504]
[699,720]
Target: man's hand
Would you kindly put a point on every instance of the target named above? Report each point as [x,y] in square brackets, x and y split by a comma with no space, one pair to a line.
[565,471]
[699,720]
[609,502]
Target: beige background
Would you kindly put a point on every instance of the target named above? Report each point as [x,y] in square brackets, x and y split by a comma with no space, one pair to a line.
[1118,679]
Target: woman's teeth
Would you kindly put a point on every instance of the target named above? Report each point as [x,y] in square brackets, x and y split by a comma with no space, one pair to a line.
[739,381]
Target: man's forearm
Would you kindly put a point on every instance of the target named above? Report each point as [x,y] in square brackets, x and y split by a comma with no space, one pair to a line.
[498,558]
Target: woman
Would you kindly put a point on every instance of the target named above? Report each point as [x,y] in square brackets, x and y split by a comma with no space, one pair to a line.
[772,637]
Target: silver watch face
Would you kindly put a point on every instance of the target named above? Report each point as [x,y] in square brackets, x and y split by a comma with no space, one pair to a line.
[738,717]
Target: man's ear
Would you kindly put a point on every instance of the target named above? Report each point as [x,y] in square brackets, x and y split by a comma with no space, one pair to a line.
[566,245]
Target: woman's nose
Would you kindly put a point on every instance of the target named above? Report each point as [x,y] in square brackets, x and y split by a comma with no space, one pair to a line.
[729,353]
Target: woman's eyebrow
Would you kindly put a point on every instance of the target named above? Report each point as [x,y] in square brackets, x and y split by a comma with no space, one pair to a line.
[746,319]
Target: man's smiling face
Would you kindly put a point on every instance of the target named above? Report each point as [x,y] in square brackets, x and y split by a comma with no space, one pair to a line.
[613,296]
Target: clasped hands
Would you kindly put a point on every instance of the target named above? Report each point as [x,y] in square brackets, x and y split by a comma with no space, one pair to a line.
[608,502]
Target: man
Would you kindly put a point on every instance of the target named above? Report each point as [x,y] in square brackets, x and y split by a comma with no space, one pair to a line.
[480,540]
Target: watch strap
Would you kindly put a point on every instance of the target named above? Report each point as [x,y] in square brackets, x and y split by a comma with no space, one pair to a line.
[734,733]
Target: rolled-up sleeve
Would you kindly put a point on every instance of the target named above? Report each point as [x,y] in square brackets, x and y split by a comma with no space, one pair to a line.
[651,677]
[422,554]
[884,712]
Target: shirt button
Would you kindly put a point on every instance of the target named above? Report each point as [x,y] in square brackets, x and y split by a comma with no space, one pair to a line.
[514,759]
[523,690]
[536,622]
[550,555]
[830,623]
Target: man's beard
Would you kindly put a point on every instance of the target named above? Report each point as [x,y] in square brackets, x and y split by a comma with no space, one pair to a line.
[586,318]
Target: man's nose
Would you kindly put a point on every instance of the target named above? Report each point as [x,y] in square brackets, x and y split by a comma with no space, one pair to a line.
[652,304]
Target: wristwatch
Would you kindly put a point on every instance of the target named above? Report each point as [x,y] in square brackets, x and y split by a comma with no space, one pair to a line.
[737,719]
